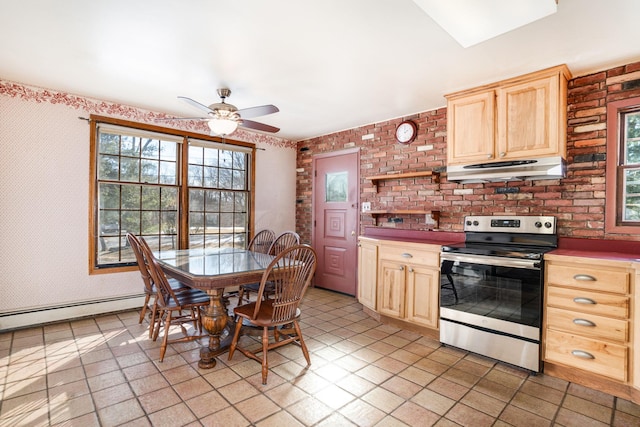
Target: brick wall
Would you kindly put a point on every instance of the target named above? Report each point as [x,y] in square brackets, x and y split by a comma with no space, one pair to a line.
[578,201]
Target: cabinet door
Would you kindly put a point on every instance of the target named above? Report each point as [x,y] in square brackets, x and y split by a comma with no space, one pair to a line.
[422,295]
[471,128]
[528,119]
[391,288]
[367,273]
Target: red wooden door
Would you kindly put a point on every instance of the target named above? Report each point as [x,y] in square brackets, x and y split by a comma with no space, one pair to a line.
[336,215]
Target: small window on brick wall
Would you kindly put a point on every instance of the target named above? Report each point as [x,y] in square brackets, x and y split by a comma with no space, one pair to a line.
[623,167]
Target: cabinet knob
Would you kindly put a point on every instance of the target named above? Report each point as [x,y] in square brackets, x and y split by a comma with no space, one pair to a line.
[402,268]
[411,270]
[489,156]
[502,154]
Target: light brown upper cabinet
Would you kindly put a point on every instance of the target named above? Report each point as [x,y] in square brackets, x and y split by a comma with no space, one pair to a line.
[518,118]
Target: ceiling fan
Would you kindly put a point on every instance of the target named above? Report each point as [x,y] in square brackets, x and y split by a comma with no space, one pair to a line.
[223,119]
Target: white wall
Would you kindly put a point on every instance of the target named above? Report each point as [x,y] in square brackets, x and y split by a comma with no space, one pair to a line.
[275,188]
[44,201]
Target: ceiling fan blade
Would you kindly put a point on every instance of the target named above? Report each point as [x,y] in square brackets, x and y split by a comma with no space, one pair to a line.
[196,104]
[262,110]
[258,126]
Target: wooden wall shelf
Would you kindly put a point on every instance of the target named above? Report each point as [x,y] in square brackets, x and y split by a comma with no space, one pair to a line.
[400,212]
[435,215]
[375,178]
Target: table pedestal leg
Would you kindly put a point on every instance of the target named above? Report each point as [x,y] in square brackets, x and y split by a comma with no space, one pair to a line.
[214,321]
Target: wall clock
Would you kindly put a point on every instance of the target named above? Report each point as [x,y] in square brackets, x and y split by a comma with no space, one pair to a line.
[406,132]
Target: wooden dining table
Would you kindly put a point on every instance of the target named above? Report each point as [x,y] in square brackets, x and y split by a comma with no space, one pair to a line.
[212,270]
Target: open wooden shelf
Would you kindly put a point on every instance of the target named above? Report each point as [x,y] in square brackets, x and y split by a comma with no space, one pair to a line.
[375,178]
[400,212]
[435,215]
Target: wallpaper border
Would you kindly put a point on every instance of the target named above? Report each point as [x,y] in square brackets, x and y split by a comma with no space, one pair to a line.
[121,111]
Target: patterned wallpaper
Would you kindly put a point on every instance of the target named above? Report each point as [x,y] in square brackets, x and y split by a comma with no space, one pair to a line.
[104,108]
[44,187]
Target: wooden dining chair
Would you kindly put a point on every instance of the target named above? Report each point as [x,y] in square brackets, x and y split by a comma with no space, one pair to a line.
[262,241]
[174,308]
[150,290]
[290,273]
[282,242]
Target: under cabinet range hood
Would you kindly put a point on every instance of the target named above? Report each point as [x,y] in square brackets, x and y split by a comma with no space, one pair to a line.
[512,170]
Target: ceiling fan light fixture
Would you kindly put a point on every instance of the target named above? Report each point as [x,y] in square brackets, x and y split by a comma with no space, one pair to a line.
[223,119]
[222,126]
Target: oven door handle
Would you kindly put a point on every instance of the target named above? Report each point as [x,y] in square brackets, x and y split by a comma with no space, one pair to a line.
[492,260]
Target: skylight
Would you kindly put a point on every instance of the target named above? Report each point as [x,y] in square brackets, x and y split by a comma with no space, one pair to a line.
[471,22]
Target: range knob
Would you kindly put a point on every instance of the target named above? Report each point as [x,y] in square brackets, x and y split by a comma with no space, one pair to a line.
[476,223]
[468,222]
[538,224]
[547,224]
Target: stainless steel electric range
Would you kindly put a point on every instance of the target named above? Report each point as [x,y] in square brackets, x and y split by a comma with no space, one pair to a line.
[492,287]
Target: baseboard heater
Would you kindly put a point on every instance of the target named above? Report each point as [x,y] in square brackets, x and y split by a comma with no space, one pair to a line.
[42,315]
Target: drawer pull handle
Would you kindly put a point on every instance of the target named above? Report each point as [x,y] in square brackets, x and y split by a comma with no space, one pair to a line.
[584,278]
[582,354]
[407,255]
[583,322]
[581,300]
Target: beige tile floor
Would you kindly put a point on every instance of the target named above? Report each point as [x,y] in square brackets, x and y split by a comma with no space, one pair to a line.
[104,371]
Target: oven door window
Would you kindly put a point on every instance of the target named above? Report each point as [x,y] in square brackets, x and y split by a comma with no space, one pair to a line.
[505,293]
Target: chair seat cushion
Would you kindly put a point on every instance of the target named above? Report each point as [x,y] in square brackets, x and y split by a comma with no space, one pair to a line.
[255,287]
[264,315]
[176,285]
[189,298]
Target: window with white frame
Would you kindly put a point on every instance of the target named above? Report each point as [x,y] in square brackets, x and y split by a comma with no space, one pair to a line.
[630,166]
[623,166]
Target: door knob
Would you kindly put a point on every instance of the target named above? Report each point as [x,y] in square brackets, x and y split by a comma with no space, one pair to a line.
[353,233]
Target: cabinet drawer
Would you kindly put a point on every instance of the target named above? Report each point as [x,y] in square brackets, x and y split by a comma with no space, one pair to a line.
[609,360]
[588,302]
[410,255]
[588,325]
[585,277]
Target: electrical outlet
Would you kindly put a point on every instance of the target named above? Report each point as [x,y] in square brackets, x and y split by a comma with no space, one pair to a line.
[366,206]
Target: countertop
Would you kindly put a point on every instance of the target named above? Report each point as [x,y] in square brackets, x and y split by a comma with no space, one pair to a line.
[619,250]
[414,236]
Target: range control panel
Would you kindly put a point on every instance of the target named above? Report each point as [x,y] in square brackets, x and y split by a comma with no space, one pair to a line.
[511,224]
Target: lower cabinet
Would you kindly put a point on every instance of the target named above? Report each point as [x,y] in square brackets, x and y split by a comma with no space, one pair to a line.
[409,282]
[367,271]
[589,318]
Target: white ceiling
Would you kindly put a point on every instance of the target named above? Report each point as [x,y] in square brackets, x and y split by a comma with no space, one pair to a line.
[329,65]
